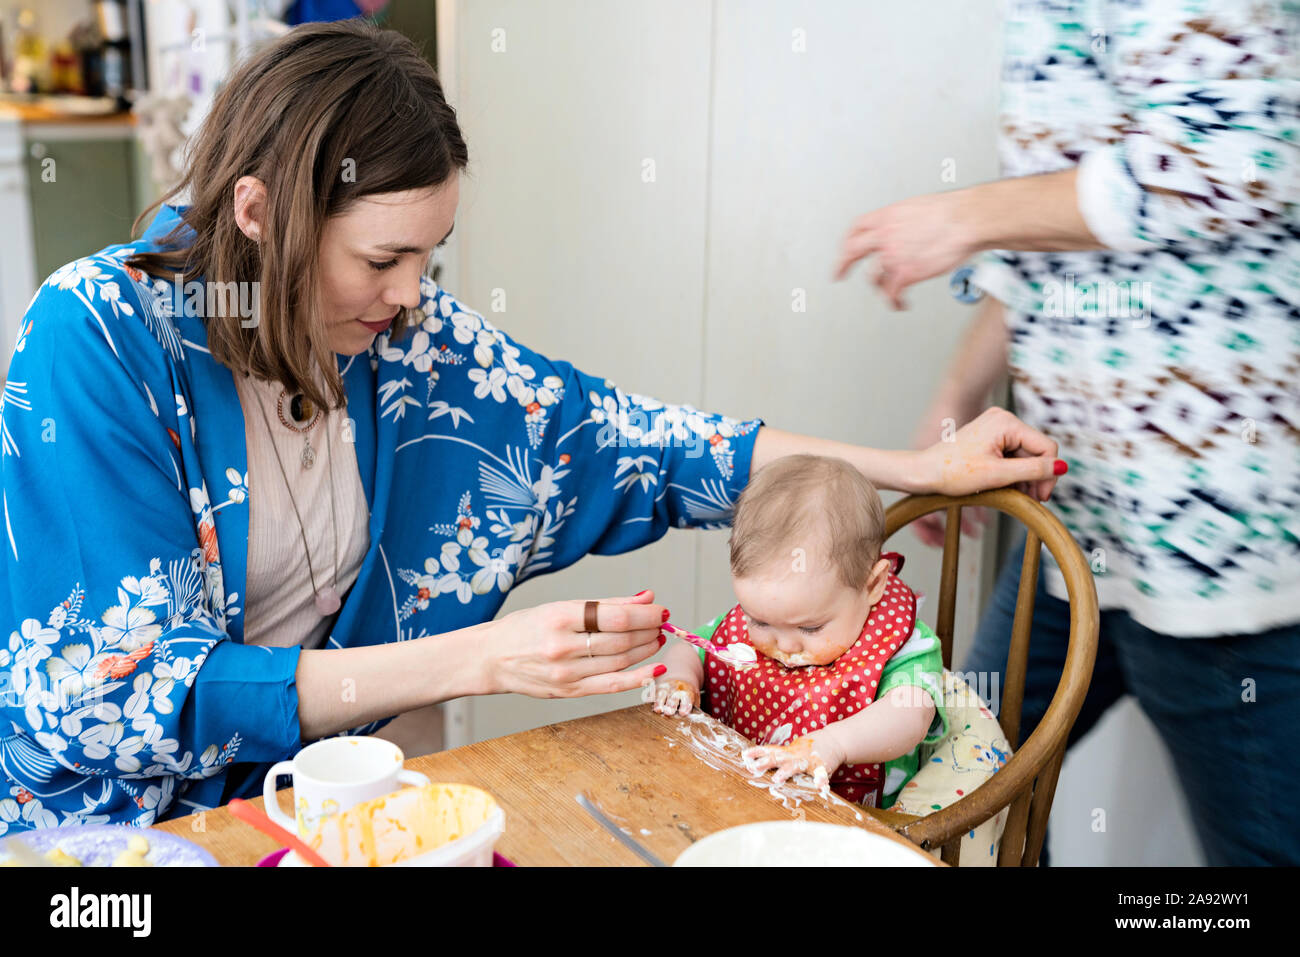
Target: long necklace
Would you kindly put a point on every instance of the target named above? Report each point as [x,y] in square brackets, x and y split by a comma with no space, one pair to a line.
[327,597]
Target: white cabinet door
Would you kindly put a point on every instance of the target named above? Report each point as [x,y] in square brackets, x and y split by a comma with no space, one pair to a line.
[656,189]
[17,258]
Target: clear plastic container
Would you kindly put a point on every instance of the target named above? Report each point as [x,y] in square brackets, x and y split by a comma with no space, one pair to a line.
[473,850]
[439,825]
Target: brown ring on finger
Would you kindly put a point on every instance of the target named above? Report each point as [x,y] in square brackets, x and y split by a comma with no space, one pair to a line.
[589,623]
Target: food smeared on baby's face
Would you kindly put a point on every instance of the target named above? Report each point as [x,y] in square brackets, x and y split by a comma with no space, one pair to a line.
[803,617]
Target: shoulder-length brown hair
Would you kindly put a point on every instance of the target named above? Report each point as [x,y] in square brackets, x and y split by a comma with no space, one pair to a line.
[324,100]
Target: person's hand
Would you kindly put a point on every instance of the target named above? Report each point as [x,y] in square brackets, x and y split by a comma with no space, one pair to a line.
[935,425]
[995,450]
[672,695]
[815,754]
[544,651]
[912,240]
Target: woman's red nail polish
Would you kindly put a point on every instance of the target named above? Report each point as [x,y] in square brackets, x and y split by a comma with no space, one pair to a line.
[662,638]
[640,593]
[1059,467]
[660,670]
[666,614]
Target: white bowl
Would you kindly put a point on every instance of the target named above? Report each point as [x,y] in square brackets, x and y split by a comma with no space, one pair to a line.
[799,844]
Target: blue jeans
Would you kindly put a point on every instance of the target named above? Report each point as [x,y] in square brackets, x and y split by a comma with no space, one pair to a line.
[1233,756]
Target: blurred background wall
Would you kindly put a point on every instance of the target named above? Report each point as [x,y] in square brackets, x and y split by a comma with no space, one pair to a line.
[660,189]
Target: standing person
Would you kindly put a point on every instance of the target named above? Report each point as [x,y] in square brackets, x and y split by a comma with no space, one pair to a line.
[1146,272]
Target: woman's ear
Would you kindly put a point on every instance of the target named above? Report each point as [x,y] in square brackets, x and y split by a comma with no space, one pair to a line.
[250,206]
[878,579]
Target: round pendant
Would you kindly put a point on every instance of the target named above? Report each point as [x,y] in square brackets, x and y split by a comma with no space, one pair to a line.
[327,600]
[308,455]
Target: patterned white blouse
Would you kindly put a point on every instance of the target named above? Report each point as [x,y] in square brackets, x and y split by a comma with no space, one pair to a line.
[1167,366]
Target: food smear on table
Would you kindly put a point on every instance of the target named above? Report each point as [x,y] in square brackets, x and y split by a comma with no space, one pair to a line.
[620,822]
[721,747]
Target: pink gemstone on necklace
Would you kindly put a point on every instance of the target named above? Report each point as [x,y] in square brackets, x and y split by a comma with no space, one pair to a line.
[327,600]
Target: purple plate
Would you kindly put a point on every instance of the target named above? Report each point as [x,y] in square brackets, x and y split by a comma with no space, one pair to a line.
[98,845]
[273,859]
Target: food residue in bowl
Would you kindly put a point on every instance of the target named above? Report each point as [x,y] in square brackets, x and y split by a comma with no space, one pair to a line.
[402,825]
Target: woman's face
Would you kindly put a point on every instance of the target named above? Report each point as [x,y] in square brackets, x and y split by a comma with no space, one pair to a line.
[372,258]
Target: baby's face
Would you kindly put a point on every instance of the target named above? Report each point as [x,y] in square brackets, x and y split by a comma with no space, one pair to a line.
[804,617]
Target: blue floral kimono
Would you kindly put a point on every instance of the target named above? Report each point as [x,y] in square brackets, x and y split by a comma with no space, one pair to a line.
[127,692]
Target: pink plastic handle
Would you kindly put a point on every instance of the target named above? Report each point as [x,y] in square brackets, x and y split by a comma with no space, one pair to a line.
[689,637]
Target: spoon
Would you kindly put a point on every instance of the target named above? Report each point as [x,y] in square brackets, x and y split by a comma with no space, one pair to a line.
[252,816]
[630,843]
[737,654]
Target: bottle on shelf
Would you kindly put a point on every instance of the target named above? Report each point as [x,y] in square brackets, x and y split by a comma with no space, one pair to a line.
[31,61]
[115,49]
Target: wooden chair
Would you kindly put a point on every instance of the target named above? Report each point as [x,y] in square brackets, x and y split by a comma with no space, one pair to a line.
[1028,781]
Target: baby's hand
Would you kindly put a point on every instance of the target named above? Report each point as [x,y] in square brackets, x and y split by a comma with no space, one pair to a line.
[801,756]
[673,696]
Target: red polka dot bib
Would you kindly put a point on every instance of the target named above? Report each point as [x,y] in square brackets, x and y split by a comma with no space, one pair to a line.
[772,704]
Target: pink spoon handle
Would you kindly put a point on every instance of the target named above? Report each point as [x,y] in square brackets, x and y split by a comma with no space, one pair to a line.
[722,652]
[689,637]
[255,818]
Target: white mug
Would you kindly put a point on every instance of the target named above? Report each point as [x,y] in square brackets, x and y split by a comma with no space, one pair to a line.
[336,774]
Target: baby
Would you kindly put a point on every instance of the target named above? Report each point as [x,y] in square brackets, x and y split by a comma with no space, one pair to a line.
[847,683]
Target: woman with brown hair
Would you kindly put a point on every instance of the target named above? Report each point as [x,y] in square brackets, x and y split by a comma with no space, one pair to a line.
[264,481]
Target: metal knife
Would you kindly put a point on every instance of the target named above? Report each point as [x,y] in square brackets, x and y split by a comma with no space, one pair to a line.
[607,824]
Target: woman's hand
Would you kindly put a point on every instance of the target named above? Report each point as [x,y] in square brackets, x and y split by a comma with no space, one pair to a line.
[545,653]
[941,421]
[995,450]
[963,393]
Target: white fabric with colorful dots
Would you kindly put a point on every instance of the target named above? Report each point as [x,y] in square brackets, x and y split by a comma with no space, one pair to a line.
[972,751]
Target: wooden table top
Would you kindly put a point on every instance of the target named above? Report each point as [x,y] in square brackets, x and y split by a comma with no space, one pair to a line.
[668,781]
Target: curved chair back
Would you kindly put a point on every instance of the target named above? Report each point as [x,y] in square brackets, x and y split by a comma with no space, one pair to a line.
[1028,781]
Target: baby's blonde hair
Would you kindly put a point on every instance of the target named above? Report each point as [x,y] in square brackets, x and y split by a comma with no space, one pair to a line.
[808,502]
